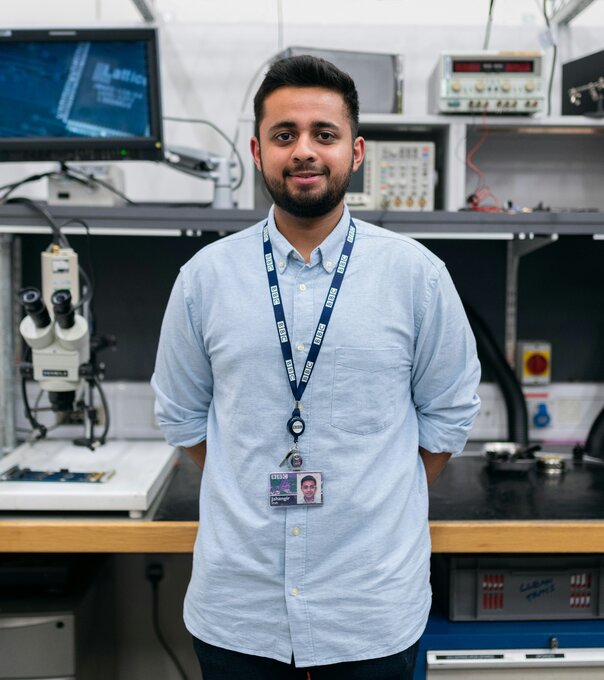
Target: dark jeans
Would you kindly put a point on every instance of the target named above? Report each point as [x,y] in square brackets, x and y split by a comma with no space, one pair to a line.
[223,664]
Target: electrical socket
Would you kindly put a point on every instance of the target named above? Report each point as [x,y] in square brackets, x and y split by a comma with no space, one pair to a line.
[154,571]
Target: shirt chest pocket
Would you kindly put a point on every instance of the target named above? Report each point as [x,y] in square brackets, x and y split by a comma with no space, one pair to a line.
[364,388]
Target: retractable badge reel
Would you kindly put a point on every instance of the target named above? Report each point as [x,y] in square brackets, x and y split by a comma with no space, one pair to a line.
[296,427]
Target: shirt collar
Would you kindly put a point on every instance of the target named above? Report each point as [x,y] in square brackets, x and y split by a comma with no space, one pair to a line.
[327,253]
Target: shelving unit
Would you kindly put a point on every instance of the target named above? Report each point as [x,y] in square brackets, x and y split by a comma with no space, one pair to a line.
[555,160]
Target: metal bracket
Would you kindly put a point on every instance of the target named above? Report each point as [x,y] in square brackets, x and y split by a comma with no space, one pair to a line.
[7,348]
[523,244]
[147,12]
[568,11]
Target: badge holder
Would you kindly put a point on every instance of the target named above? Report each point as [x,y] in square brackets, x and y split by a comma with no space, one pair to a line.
[295,488]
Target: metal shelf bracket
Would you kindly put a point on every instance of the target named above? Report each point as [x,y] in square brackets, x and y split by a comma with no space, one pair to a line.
[523,244]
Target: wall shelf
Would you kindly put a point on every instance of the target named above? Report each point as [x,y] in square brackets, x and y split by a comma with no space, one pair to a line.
[177,220]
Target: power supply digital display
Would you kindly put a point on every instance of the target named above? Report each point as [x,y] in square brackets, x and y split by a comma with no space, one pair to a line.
[494,66]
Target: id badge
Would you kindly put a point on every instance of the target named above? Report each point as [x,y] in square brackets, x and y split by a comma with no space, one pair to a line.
[295,488]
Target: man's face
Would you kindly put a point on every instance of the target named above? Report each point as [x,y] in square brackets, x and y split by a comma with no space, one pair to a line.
[308,489]
[306,152]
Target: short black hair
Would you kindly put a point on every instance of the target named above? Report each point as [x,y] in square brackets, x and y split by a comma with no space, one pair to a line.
[308,478]
[307,71]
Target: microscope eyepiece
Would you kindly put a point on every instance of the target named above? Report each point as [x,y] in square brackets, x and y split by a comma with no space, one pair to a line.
[34,306]
[63,309]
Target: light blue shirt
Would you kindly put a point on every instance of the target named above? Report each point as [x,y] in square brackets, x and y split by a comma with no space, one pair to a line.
[349,579]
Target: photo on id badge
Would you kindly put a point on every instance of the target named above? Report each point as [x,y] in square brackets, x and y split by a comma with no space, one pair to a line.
[296,488]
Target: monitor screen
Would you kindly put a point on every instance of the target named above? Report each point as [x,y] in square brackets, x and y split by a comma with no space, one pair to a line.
[79,95]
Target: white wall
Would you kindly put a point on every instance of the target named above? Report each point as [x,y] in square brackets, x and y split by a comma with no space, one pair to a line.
[318,12]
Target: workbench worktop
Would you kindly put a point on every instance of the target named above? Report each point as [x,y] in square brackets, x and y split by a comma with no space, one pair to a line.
[472,511]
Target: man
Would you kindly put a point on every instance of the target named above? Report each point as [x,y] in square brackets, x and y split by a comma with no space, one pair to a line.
[308,486]
[320,344]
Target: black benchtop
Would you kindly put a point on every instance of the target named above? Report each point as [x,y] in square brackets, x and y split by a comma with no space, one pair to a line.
[469,490]
[466,490]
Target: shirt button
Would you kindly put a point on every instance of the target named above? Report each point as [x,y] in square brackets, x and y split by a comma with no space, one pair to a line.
[300,347]
[302,287]
[281,264]
[293,592]
[329,264]
[296,531]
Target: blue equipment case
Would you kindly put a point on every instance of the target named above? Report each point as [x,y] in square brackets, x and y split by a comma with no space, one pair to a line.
[441,633]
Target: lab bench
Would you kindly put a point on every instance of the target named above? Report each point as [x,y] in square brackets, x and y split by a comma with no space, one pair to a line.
[472,510]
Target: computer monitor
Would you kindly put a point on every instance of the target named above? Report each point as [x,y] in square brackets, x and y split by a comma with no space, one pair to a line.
[86,95]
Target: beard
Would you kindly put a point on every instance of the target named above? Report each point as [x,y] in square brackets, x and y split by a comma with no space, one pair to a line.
[308,203]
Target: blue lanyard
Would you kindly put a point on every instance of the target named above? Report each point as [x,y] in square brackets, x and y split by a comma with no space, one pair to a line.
[286,348]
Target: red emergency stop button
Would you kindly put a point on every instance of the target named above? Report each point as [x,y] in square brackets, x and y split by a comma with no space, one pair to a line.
[534,362]
[537,364]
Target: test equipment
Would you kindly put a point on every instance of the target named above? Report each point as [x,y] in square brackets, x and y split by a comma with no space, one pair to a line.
[394,176]
[583,86]
[487,81]
[377,76]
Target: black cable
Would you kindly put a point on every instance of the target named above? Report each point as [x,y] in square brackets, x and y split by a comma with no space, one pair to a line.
[279,26]
[554,56]
[246,96]
[89,280]
[101,392]
[229,141]
[59,238]
[594,444]
[487,35]
[490,355]
[155,574]
[15,185]
[73,173]
[36,426]
[66,171]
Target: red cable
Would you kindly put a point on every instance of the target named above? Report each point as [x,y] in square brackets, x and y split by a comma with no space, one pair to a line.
[482,190]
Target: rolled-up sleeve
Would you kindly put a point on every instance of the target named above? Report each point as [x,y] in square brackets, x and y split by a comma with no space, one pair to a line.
[182,380]
[446,370]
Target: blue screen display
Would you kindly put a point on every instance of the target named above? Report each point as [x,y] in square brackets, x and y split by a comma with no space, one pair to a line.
[74,90]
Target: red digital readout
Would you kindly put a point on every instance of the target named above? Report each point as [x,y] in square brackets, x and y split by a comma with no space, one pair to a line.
[493,66]
[519,67]
[466,66]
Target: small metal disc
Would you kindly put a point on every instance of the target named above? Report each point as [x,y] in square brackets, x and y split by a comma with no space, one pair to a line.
[295,461]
